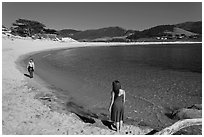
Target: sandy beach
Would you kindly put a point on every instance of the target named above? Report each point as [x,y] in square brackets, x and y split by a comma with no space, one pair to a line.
[22,113]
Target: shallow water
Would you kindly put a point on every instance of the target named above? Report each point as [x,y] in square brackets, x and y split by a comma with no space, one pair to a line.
[156,78]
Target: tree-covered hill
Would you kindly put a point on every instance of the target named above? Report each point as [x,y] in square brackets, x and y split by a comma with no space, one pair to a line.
[67,32]
[188,29]
[195,27]
[185,31]
[99,33]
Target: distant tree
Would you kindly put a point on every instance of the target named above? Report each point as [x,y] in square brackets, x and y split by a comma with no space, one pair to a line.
[50,31]
[169,35]
[177,35]
[25,27]
[183,35]
[3,26]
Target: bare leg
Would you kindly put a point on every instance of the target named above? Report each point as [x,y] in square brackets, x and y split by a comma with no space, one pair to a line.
[121,124]
[118,126]
[31,74]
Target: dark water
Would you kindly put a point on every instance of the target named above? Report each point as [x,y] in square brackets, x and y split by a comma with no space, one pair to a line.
[156,78]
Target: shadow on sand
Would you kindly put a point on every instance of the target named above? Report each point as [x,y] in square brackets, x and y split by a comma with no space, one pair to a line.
[109,124]
[27,75]
[88,116]
[106,123]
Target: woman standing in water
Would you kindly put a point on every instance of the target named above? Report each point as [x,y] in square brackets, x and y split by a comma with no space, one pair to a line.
[31,67]
[117,104]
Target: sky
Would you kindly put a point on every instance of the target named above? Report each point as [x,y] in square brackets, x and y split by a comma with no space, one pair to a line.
[90,15]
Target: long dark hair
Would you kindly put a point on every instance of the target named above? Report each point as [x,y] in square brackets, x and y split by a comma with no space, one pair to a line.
[116,86]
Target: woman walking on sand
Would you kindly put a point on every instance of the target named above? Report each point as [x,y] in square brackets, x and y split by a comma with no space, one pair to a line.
[31,67]
[117,105]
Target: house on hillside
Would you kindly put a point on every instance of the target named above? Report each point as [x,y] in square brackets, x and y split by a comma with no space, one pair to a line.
[194,36]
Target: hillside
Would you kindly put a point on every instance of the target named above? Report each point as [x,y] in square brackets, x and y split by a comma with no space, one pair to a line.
[99,33]
[180,31]
[67,32]
[195,27]
[187,31]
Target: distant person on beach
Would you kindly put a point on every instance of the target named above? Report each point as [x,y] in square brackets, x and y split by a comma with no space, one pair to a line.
[31,67]
[117,105]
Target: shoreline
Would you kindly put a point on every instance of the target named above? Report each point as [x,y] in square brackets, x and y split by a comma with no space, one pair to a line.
[22,113]
[99,111]
[32,88]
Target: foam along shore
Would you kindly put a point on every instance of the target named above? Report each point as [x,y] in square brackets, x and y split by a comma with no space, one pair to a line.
[22,113]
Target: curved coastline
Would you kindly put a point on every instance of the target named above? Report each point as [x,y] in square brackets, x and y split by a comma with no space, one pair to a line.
[75,106]
[28,86]
[22,113]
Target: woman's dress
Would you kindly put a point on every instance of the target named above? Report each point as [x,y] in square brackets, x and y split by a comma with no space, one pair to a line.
[117,110]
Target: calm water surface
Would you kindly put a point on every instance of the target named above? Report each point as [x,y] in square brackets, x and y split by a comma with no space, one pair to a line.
[157,78]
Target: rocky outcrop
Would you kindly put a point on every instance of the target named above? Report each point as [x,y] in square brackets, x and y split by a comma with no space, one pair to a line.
[190,116]
[194,111]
